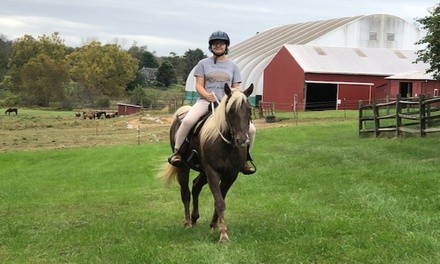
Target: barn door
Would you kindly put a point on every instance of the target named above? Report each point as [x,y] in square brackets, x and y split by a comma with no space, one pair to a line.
[321,96]
[405,89]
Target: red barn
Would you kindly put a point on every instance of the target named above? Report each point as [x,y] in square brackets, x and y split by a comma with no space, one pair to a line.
[413,83]
[323,78]
[128,109]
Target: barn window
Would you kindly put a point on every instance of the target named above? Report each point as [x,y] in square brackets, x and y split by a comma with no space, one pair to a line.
[373,35]
[320,51]
[399,54]
[390,36]
[360,53]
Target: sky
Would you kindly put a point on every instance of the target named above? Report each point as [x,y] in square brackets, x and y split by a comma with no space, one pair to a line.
[175,26]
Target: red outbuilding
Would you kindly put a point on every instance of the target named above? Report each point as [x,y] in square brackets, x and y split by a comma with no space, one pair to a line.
[128,109]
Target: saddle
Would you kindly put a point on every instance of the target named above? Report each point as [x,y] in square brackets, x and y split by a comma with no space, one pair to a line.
[191,146]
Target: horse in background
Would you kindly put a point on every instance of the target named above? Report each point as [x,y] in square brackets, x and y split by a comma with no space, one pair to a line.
[11,110]
[100,114]
[221,149]
[111,115]
[89,115]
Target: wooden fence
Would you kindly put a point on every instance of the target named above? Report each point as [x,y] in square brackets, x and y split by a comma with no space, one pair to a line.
[416,115]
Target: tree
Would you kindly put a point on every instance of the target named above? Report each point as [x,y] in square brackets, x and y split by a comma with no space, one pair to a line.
[178,65]
[148,60]
[5,53]
[192,57]
[166,74]
[138,80]
[137,51]
[138,96]
[431,54]
[102,70]
[43,80]
[45,56]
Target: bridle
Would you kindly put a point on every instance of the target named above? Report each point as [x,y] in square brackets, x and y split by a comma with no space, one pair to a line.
[231,129]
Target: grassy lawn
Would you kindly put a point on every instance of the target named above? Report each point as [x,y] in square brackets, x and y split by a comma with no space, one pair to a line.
[321,194]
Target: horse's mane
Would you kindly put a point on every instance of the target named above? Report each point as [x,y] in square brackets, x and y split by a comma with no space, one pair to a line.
[217,122]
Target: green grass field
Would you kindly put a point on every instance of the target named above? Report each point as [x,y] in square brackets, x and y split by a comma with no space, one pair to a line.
[321,195]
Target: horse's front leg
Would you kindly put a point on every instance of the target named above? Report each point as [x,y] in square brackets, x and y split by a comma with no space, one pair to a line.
[185,195]
[198,184]
[219,191]
[219,217]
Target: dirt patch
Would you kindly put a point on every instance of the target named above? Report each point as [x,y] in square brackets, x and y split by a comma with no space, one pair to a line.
[32,130]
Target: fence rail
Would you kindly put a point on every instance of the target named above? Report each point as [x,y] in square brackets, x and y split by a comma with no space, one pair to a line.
[416,115]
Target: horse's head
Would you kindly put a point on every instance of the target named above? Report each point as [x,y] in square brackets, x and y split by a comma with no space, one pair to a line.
[238,114]
[231,119]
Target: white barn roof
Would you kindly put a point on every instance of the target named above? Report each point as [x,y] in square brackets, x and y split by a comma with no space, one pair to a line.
[358,61]
[255,53]
[412,75]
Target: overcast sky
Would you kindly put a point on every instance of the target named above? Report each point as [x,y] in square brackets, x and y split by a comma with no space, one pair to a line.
[166,26]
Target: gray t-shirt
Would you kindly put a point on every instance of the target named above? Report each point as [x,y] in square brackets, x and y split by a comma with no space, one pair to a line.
[217,74]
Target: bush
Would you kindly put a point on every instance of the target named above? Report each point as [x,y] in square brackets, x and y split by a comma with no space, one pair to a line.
[103,102]
[9,99]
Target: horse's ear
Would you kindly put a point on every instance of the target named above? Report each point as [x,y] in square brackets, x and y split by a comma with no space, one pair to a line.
[227,90]
[249,90]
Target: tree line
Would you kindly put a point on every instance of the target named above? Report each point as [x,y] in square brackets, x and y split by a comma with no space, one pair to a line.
[43,72]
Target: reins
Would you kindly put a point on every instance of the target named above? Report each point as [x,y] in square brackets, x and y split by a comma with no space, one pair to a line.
[212,113]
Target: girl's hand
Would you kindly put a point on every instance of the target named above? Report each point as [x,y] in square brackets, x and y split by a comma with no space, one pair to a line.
[210,97]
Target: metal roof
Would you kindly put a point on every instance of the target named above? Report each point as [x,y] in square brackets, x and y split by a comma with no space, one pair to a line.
[412,75]
[359,61]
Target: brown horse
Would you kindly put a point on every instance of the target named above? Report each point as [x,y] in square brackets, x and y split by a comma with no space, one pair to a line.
[218,152]
[89,115]
[111,115]
[11,110]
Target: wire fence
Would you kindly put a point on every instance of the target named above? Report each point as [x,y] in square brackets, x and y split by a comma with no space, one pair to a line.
[24,134]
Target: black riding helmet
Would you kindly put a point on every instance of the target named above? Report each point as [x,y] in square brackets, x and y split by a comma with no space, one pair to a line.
[219,35]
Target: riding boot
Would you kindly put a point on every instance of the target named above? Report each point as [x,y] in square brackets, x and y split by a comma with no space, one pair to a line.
[175,159]
[248,169]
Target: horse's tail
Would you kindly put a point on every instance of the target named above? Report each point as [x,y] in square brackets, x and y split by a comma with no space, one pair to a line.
[168,173]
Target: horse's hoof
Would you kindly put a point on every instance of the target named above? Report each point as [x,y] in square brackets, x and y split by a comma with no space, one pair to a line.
[214,228]
[194,219]
[187,225]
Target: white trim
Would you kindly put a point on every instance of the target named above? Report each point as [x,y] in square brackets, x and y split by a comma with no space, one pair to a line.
[352,83]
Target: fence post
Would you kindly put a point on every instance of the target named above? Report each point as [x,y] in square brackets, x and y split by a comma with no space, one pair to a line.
[428,111]
[388,107]
[398,117]
[360,116]
[260,109]
[376,118]
[295,108]
[422,115]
